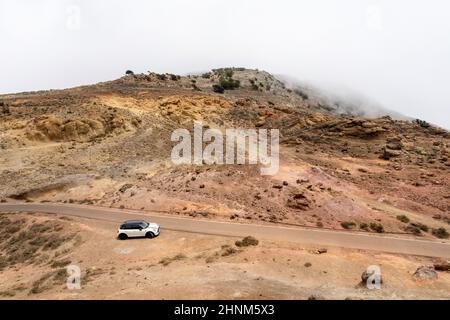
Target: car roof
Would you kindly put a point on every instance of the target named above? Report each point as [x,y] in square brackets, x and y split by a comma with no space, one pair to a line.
[133,221]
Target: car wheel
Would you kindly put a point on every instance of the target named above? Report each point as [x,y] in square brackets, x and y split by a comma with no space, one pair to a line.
[123,236]
[149,235]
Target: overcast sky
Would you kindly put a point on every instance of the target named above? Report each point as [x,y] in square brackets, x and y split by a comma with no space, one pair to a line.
[395,52]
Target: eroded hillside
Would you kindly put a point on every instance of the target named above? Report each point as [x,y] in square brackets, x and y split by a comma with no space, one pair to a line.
[109,144]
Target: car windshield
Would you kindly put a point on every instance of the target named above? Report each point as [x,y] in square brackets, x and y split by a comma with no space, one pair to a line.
[143,225]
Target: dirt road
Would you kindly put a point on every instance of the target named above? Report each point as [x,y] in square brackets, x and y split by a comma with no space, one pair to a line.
[384,243]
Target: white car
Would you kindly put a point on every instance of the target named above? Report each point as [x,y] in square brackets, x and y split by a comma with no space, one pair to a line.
[137,228]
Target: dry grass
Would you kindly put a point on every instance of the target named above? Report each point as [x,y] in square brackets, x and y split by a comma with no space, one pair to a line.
[168,260]
[247,241]
[26,243]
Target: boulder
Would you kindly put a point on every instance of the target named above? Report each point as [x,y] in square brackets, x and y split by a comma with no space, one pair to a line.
[425,273]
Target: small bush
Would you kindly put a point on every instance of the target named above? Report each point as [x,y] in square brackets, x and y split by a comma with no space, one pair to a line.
[422,123]
[300,93]
[377,227]
[228,72]
[403,218]
[440,233]
[446,219]
[308,264]
[206,75]
[247,241]
[364,226]
[174,77]
[166,261]
[229,83]
[129,72]
[348,224]
[421,226]
[218,88]
[228,251]
[161,76]
[413,229]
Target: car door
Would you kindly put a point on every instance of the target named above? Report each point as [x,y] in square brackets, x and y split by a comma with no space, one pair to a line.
[133,230]
[141,230]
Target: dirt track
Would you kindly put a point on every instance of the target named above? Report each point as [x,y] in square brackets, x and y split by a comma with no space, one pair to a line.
[385,243]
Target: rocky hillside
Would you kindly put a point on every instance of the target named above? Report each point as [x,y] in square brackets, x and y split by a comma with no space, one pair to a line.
[109,144]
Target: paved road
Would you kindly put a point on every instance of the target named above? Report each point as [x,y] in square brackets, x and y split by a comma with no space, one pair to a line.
[384,243]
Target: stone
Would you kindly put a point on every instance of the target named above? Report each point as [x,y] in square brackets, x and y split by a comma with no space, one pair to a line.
[425,273]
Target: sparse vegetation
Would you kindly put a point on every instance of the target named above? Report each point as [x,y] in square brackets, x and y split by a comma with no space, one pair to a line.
[7,294]
[174,77]
[129,72]
[229,83]
[161,76]
[5,108]
[403,218]
[308,264]
[421,226]
[422,123]
[253,85]
[300,93]
[413,229]
[364,226]
[218,88]
[228,251]
[41,284]
[377,227]
[247,241]
[440,233]
[27,246]
[168,260]
[348,224]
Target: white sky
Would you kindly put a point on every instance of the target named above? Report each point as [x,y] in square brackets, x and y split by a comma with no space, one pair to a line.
[396,52]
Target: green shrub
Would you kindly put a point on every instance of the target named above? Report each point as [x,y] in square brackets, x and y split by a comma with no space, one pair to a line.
[403,218]
[229,83]
[247,241]
[413,229]
[300,93]
[129,72]
[421,226]
[218,88]
[161,76]
[440,233]
[377,227]
[206,75]
[348,224]
[364,226]
[422,123]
